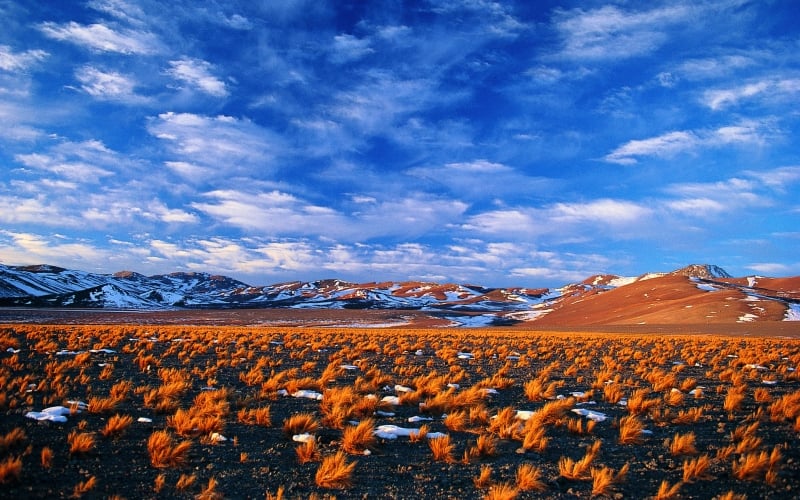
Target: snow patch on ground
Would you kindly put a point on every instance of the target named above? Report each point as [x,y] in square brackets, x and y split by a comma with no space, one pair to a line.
[792,313]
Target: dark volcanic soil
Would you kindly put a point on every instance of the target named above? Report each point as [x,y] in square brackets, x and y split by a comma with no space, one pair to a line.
[257,460]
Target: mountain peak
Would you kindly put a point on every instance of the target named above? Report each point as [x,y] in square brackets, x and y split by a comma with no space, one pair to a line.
[705,271]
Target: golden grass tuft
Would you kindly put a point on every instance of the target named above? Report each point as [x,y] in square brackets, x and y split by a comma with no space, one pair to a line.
[300,423]
[630,430]
[335,472]
[485,446]
[255,416]
[579,470]
[12,438]
[604,479]
[84,487]
[528,478]
[307,452]
[697,468]
[357,439]
[46,457]
[484,479]
[442,448]
[80,443]
[10,470]
[667,491]
[682,444]
[116,426]
[502,491]
[210,492]
[164,452]
[185,481]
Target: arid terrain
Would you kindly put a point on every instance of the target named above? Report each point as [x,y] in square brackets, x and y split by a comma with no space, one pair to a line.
[169,407]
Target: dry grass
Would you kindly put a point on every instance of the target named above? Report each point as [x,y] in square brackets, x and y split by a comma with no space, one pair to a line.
[335,472]
[734,417]
[256,416]
[46,457]
[442,448]
[360,438]
[116,426]
[697,468]
[10,470]
[682,444]
[528,478]
[307,452]
[164,452]
[80,443]
[502,491]
[300,423]
[84,487]
[484,479]
[630,430]
[668,491]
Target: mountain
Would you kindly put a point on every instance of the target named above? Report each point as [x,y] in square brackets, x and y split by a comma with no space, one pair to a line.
[693,294]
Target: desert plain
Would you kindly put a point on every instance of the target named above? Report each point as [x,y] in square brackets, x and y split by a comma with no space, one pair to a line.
[265,404]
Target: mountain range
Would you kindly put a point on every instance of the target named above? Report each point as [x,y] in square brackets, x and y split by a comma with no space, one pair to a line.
[693,294]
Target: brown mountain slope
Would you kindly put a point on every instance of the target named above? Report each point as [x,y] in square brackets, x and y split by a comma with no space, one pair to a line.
[662,300]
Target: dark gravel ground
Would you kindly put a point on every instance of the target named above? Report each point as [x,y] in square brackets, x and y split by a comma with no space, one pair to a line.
[395,468]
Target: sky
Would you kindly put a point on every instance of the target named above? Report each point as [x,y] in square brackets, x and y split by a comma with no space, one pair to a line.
[496,143]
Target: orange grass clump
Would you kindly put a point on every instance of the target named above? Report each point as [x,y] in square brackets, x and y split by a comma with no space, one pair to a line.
[667,491]
[116,425]
[11,439]
[300,423]
[307,452]
[255,416]
[697,468]
[571,469]
[80,443]
[10,469]
[359,439]
[682,444]
[502,491]
[164,453]
[484,479]
[84,487]
[442,448]
[630,430]
[604,479]
[46,457]
[334,472]
[528,478]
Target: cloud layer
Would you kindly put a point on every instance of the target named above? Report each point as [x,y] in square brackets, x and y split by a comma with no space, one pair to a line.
[493,142]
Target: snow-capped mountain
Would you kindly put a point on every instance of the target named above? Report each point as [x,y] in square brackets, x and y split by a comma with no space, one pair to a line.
[696,293]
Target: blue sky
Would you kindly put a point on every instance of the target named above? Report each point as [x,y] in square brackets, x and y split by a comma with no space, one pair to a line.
[500,143]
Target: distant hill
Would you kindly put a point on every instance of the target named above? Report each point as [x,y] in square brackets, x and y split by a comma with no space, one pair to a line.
[693,294]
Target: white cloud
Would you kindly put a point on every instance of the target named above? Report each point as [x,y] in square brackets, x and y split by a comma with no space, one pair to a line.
[504,222]
[348,48]
[108,85]
[607,211]
[713,67]
[25,248]
[20,61]
[120,9]
[769,90]
[771,268]
[664,145]
[37,209]
[778,179]
[282,214]
[610,33]
[746,132]
[198,74]
[225,144]
[99,37]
